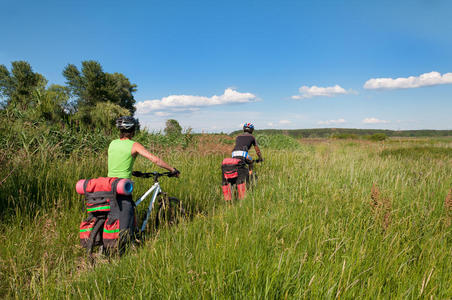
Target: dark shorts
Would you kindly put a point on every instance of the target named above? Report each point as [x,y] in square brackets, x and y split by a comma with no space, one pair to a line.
[243,175]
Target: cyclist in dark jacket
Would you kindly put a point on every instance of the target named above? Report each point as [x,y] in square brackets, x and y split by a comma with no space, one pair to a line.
[243,143]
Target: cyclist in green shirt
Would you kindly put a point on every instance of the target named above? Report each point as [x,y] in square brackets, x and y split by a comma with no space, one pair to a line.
[122,153]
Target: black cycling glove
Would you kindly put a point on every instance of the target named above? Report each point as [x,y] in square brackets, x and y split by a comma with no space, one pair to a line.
[175,173]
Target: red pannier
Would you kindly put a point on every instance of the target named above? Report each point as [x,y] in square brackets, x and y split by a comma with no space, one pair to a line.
[102,224]
[229,167]
[86,228]
[111,233]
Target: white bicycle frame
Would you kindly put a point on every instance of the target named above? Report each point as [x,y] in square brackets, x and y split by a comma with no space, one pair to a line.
[155,190]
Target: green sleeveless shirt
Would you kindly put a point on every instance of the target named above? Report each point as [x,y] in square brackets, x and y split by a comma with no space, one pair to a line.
[120,159]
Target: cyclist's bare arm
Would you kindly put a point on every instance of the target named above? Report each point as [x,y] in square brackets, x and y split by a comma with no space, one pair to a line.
[258,151]
[137,148]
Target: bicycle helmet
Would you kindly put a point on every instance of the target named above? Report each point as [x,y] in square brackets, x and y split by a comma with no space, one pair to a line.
[248,127]
[126,123]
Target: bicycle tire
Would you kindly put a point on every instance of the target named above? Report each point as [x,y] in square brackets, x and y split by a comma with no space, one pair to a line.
[95,240]
[170,211]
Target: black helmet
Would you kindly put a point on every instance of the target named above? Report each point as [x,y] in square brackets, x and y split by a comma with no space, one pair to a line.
[126,123]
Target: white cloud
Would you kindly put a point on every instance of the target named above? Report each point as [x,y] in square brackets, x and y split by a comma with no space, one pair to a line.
[317,91]
[284,122]
[375,121]
[162,114]
[190,102]
[271,124]
[330,122]
[426,79]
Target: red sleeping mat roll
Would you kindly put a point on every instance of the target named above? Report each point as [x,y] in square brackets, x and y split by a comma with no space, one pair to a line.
[103,184]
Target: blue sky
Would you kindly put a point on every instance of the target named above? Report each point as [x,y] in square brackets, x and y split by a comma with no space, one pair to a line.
[280,64]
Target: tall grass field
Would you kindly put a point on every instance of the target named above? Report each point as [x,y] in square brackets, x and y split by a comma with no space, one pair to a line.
[326,219]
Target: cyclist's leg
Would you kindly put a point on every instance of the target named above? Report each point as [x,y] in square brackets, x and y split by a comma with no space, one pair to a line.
[250,167]
[241,180]
[226,188]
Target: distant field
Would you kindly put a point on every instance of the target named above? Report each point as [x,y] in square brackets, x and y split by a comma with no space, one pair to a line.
[328,132]
[328,219]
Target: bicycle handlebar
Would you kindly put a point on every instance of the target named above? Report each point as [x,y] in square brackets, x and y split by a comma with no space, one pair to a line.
[155,175]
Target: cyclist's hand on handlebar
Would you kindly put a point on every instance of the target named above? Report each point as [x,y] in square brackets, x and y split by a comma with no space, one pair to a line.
[174,173]
[137,173]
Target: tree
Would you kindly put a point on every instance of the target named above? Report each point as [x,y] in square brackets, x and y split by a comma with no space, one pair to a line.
[4,82]
[51,103]
[92,85]
[120,91]
[173,127]
[104,115]
[17,87]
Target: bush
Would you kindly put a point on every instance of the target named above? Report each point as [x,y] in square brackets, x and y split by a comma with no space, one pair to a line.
[173,128]
[377,137]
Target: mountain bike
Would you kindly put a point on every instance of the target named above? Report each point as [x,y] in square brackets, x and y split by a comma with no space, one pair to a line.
[169,209]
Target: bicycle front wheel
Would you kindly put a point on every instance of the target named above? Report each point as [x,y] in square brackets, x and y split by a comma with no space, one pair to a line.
[170,211]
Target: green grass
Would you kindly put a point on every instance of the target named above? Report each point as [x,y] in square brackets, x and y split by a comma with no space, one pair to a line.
[418,152]
[277,142]
[306,231]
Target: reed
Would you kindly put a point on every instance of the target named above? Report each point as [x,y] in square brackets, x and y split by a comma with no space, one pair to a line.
[448,208]
[381,207]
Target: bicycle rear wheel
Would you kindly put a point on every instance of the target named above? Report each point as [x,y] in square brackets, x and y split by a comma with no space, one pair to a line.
[252,180]
[170,211]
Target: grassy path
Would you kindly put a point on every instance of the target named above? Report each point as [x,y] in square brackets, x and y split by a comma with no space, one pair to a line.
[309,230]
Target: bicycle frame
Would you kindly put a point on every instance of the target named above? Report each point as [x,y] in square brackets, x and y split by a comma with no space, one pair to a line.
[155,190]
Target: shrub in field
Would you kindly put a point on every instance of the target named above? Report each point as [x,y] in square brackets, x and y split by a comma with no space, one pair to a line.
[173,128]
[378,137]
